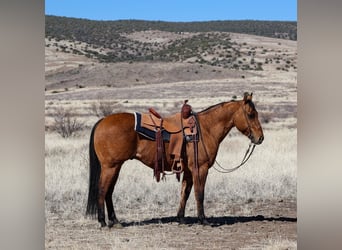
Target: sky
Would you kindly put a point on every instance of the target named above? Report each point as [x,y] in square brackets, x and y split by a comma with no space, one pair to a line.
[175,10]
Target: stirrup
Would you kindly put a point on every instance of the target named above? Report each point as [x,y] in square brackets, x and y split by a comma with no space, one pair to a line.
[177,168]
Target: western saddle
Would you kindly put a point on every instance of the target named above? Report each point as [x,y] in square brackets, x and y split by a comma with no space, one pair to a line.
[180,129]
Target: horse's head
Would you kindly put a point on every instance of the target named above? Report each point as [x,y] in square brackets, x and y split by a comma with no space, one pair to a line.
[246,120]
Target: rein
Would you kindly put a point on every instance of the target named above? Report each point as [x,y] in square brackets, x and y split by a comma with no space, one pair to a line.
[229,170]
[244,160]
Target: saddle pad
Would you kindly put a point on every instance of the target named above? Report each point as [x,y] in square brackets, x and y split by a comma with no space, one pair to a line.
[148,133]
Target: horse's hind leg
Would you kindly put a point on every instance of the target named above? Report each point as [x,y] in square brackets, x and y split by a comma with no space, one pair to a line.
[108,178]
[112,220]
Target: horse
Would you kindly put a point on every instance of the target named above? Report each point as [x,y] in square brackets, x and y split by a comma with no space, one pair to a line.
[113,141]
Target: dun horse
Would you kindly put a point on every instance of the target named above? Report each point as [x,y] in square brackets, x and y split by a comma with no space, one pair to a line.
[114,140]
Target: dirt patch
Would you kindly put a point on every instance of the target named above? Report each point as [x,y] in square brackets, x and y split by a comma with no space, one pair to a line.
[253,225]
[118,75]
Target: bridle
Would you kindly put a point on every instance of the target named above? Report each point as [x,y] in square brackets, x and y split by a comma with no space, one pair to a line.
[248,123]
[246,156]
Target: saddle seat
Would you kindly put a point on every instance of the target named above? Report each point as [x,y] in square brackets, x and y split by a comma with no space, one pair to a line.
[171,124]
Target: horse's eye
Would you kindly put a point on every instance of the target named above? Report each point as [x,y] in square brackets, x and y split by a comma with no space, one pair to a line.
[251,116]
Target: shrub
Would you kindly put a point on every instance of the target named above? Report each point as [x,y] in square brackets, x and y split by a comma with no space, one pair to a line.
[259,66]
[266,117]
[65,123]
[103,108]
[80,86]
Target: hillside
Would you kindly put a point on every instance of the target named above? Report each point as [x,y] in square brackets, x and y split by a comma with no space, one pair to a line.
[101,32]
[134,40]
[194,56]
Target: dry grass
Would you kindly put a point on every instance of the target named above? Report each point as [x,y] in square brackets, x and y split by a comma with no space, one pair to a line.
[269,174]
[277,243]
[139,200]
[263,186]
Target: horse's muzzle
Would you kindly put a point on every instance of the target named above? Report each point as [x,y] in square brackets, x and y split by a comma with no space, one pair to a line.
[261,139]
[257,141]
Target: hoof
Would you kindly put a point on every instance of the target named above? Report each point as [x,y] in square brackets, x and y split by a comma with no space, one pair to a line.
[102,224]
[110,223]
[204,222]
[181,220]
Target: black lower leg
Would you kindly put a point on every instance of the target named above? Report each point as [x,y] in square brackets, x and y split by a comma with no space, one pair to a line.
[110,208]
[101,217]
[112,220]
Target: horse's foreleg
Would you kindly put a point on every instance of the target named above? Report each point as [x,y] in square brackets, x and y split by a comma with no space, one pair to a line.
[199,178]
[109,202]
[186,189]
[106,179]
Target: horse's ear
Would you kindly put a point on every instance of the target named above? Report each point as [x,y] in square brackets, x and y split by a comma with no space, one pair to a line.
[247,97]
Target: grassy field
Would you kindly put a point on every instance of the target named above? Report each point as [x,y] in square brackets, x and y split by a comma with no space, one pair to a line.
[251,208]
[269,174]
[257,202]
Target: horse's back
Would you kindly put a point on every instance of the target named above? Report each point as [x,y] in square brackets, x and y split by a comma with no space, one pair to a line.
[115,137]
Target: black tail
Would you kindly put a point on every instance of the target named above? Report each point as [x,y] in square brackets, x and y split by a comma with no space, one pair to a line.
[94,176]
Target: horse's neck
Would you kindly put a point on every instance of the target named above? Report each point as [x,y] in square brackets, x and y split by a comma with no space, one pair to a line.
[218,121]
